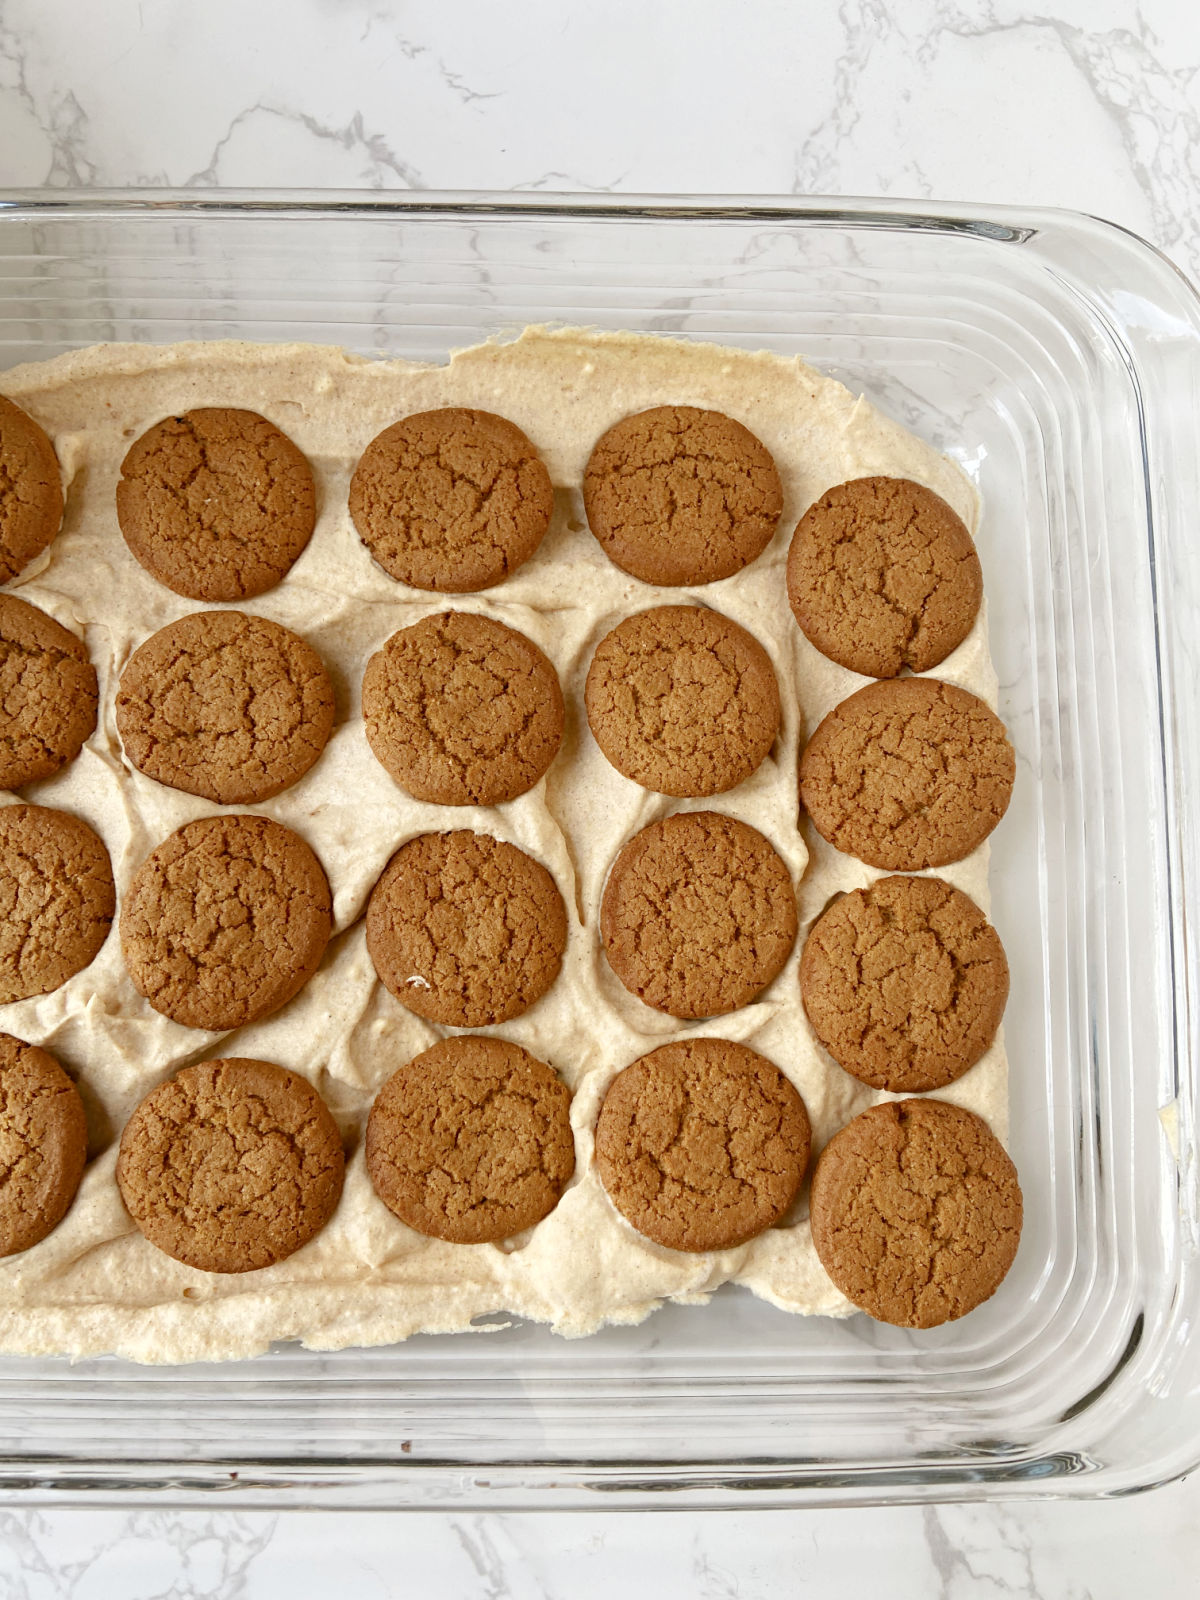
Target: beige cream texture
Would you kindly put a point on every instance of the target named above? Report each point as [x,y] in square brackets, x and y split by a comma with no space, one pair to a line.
[95,1285]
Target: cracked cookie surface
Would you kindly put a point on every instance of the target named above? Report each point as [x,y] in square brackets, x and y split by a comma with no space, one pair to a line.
[466,930]
[682,700]
[471,1141]
[451,500]
[883,575]
[225,921]
[227,706]
[916,1212]
[907,774]
[904,983]
[702,1144]
[679,495]
[31,497]
[56,899]
[48,694]
[43,1144]
[232,1165]
[217,503]
[698,914]
[462,710]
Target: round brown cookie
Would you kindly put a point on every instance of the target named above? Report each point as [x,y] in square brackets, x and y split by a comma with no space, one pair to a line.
[466,930]
[682,700]
[43,1144]
[56,899]
[48,694]
[31,497]
[471,1141]
[908,774]
[232,1165]
[677,495]
[698,914]
[883,575]
[905,983]
[217,503]
[702,1144]
[451,500]
[226,921]
[225,705]
[916,1212]
[462,710]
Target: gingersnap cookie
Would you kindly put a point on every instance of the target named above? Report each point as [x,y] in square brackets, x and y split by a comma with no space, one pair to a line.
[56,899]
[702,1144]
[677,495]
[232,1165]
[48,694]
[31,497]
[452,500]
[466,930]
[216,503]
[905,983]
[907,774]
[43,1144]
[916,1212]
[471,1141]
[462,710]
[227,706]
[882,575]
[682,700]
[698,914]
[226,921]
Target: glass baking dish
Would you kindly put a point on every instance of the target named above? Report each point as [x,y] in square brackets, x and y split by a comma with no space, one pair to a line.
[1057,358]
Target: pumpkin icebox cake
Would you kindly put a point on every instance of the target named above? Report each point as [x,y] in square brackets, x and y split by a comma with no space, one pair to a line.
[503,837]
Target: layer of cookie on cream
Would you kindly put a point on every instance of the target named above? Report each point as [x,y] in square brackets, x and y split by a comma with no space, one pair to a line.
[96,1285]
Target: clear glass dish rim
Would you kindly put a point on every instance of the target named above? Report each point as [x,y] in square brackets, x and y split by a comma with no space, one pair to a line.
[1000,223]
[399,1484]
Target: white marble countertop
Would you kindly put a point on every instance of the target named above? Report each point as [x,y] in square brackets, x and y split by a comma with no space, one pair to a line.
[1093,105]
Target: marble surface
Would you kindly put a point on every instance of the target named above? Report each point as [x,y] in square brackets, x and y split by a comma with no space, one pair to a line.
[1093,104]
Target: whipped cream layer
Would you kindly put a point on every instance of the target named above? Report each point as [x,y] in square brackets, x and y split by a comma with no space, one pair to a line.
[95,1285]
